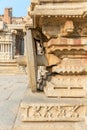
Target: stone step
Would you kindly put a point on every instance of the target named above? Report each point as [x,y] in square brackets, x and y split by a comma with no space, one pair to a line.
[11,68]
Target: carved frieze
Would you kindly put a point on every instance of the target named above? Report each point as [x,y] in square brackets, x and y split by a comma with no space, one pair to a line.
[56,27]
[72,65]
[53,112]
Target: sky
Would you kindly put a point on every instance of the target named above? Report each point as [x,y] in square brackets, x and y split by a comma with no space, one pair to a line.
[20,7]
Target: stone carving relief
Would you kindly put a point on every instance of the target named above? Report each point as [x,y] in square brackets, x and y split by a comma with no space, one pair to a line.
[53,113]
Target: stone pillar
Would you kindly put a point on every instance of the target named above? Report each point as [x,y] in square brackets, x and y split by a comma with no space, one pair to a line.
[24,44]
[14,44]
[11,51]
[31,61]
[1,47]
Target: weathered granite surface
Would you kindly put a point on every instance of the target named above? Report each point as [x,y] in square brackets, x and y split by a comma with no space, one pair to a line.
[12,88]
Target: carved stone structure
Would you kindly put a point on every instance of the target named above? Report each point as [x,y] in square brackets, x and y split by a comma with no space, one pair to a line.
[12,31]
[7,43]
[57,66]
[10,41]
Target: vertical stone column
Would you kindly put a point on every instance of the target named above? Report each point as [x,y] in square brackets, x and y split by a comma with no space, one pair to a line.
[7,51]
[31,60]
[24,44]
[1,48]
[11,51]
[13,45]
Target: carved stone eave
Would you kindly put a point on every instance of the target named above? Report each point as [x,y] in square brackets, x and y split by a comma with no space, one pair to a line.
[59,1]
[28,25]
[16,27]
[65,10]
[56,1]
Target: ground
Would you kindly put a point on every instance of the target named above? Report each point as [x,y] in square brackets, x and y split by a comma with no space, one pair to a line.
[12,89]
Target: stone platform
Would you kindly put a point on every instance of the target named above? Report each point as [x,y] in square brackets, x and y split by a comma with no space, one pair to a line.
[39,112]
[50,126]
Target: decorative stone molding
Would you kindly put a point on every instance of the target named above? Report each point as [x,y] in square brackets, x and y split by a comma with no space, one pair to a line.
[53,112]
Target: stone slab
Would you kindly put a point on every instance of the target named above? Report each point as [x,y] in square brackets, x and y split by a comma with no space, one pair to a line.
[40,98]
[37,107]
[45,126]
[51,126]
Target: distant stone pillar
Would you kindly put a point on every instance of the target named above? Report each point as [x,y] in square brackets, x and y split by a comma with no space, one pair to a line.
[24,44]
[11,53]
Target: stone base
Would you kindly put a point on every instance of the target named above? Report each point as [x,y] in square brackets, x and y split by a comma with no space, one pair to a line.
[42,113]
[51,126]
[66,86]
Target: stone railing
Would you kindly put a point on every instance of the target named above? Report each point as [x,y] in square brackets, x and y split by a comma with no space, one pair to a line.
[6,51]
